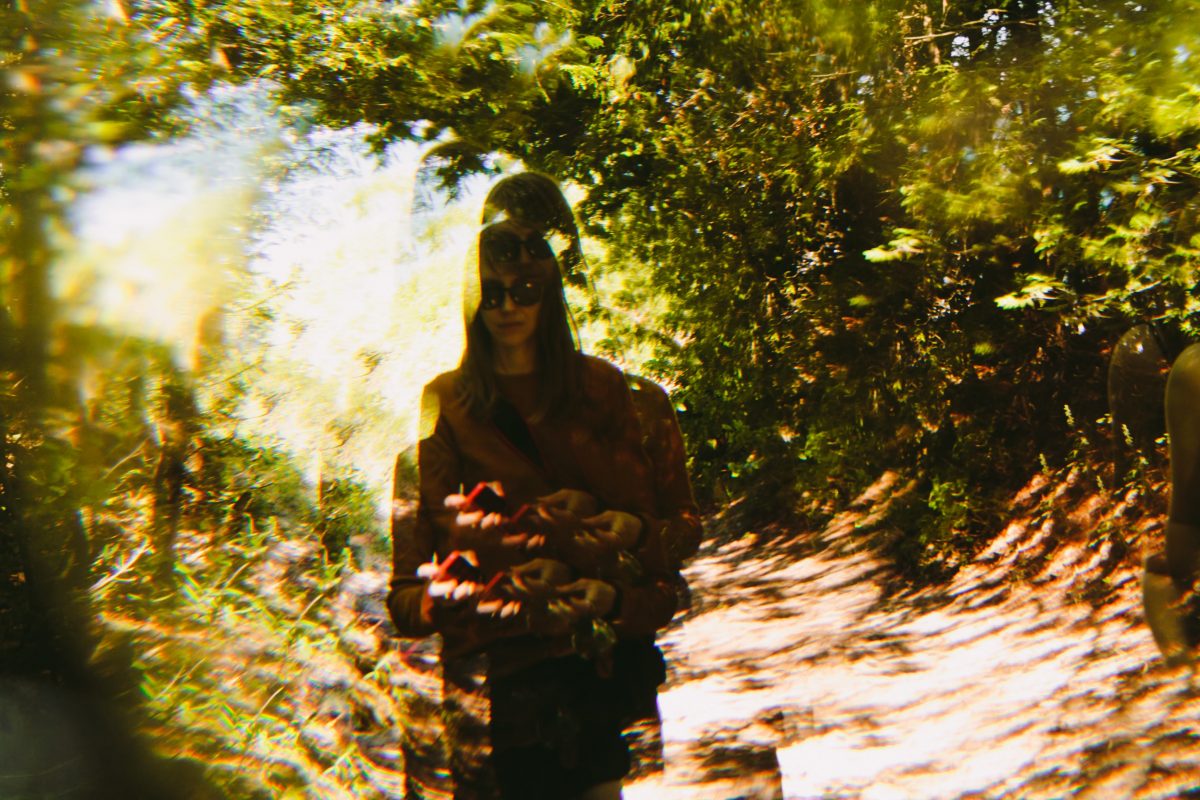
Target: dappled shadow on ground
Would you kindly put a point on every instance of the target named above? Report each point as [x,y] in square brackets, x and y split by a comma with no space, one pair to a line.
[271,670]
[801,671]
[1030,674]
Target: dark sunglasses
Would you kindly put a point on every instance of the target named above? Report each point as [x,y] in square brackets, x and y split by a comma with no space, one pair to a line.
[523,293]
[502,246]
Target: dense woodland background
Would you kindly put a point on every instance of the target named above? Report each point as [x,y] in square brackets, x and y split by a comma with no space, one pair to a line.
[887,235]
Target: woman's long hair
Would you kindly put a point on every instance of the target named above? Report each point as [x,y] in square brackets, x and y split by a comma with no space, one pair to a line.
[557,349]
[535,200]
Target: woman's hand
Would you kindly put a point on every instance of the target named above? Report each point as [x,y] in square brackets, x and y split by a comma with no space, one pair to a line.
[540,578]
[584,543]
[617,529]
[588,597]
[449,602]
[469,530]
[573,501]
[571,603]
[485,532]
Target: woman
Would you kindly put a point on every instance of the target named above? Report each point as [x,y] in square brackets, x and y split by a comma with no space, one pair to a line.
[555,429]
[536,202]
[1136,391]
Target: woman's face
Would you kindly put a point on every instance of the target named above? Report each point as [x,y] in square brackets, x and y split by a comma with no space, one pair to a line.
[513,322]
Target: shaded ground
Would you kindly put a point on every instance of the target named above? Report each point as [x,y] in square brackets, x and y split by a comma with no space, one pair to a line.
[1030,675]
[796,673]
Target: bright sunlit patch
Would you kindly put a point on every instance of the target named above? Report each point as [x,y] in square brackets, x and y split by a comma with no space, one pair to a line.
[308,277]
[984,686]
[154,261]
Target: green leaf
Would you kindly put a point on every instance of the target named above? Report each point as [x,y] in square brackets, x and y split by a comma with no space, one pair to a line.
[1014,301]
[897,249]
[1143,222]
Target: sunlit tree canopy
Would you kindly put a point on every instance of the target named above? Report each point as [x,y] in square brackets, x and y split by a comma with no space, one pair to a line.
[887,236]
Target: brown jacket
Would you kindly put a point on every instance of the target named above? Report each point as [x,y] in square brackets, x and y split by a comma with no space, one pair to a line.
[674,502]
[596,448]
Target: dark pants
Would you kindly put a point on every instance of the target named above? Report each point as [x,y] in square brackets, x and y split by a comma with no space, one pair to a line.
[556,730]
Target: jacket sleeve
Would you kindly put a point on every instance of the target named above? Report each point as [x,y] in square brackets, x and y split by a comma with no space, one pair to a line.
[646,607]
[416,540]
[648,604]
[677,521]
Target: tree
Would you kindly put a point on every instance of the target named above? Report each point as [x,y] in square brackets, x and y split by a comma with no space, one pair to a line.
[72,80]
[887,235]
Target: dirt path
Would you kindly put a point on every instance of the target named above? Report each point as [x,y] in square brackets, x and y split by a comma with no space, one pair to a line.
[1030,675]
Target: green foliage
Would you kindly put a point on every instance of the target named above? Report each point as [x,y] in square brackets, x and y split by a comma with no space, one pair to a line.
[250,662]
[855,237]
[253,586]
[885,235]
[70,79]
[118,503]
